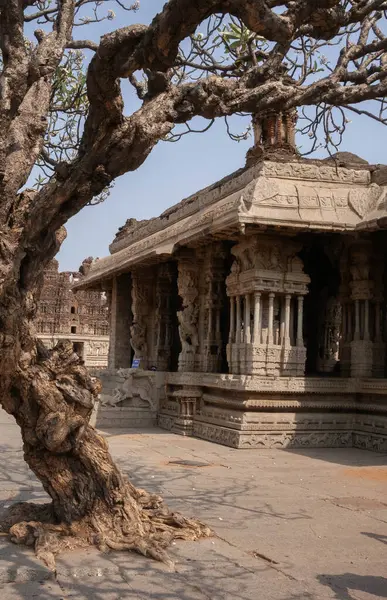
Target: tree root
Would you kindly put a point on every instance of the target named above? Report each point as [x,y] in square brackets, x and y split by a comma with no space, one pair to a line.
[138,521]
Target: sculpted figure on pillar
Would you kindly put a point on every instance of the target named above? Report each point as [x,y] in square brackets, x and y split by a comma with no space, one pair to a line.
[188,328]
[138,339]
[188,316]
[141,307]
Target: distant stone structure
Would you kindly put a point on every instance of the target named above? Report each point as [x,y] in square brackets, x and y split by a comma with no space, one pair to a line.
[81,317]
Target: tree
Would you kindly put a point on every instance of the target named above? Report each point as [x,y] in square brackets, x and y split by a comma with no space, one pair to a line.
[254,56]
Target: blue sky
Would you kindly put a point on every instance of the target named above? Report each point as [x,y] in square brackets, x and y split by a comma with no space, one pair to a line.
[173,171]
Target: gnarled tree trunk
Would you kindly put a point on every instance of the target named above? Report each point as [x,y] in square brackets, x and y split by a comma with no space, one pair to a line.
[51,397]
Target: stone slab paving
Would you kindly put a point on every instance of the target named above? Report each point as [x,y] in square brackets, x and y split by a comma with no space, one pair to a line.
[301,524]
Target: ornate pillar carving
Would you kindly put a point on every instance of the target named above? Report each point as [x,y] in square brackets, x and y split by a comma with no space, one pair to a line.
[362,291]
[287,320]
[142,308]
[270,328]
[267,269]
[238,332]
[247,327]
[300,320]
[213,299]
[257,318]
[162,343]
[188,316]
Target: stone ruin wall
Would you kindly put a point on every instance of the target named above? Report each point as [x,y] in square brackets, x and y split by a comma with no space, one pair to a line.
[81,317]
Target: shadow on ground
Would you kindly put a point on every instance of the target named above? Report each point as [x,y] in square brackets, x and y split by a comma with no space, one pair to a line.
[347,585]
[351,457]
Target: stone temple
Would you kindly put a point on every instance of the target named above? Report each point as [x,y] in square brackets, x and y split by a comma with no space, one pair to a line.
[254,312]
[81,318]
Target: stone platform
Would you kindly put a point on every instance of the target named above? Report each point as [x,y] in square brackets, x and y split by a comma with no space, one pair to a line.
[243,411]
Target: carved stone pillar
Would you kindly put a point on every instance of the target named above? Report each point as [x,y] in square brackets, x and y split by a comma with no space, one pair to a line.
[287,320]
[213,298]
[270,328]
[362,290]
[231,335]
[267,270]
[247,328]
[232,320]
[162,343]
[300,319]
[142,309]
[188,316]
[238,332]
[356,336]
[257,318]
[332,329]
[119,298]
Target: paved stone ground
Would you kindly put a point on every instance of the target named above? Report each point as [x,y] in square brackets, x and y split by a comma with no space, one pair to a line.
[306,524]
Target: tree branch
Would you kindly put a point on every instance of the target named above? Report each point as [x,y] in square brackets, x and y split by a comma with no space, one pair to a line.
[24,137]
[82,45]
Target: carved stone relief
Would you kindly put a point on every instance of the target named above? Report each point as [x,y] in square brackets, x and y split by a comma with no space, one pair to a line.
[187,283]
[136,390]
[142,308]
[163,317]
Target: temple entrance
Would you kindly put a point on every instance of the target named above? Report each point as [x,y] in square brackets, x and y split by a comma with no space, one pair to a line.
[322,317]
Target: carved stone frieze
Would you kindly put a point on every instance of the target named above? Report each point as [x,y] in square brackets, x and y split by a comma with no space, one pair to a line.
[297,440]
[97,348]
[315,172]
[317,412]
[264,263]
[165,421]
[370,441]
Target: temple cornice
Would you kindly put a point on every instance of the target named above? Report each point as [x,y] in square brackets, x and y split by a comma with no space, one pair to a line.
[295,196]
